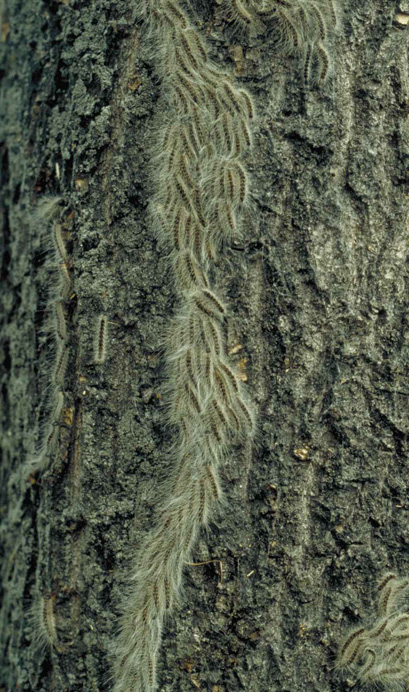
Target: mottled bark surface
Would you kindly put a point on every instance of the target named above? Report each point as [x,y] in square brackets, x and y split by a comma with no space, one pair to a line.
[317,506]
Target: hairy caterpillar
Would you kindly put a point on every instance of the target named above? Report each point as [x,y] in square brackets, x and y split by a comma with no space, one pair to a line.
[202,188]
[42,621]
[101,340]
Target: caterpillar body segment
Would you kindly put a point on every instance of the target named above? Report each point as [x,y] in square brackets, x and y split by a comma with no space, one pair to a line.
[59,243]
[194,47]
[195,134]
[225,184]
[183,193]
[65,281]
[49,433]
[230,375]
[231,398]
[399,592]
[48,210]
[61,365]
[396,652]
[222,387]
[201,124]
[323,62]
[240,13]
[193,401]
[60,323]
[180,229]
[183,61]
[186,170]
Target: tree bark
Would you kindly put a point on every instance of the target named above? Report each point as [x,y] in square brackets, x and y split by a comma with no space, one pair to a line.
[316,505]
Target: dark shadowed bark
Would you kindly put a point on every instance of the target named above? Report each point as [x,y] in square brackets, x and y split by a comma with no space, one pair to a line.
[317,504]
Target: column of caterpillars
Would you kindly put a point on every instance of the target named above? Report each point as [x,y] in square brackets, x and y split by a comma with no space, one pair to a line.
[59,291]
[41,614]
[202,188]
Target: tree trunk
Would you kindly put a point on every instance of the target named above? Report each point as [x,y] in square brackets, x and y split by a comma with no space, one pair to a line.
[316,503]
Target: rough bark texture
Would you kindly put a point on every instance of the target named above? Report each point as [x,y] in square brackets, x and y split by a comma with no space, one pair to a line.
[317,507]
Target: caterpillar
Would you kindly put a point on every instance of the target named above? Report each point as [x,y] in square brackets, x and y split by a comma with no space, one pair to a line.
[101,340]
[42,620]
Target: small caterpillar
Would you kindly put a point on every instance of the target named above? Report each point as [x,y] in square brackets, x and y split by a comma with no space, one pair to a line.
[101,340]
[42,620]
[351,646]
